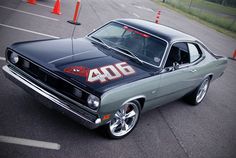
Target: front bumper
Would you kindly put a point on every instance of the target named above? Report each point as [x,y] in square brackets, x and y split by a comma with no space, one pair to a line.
[50,100]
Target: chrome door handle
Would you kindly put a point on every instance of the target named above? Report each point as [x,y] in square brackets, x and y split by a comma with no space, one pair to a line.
[194,70]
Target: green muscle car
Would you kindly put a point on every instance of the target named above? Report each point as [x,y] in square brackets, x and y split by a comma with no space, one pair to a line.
[108,78]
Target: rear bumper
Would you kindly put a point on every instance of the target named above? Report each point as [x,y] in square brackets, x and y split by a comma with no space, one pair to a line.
[50,100]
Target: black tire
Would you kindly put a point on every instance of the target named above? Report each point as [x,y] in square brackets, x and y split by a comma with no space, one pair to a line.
[192,98]
[107,127]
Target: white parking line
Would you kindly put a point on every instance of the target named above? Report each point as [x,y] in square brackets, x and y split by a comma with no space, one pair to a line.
[30,142]
[47,6]
[37,33]
[2,58]
[136,15]
[144,8]
[21,11]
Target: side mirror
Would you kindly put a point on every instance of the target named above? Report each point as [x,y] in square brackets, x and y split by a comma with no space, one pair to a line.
[175,65]
[172,68]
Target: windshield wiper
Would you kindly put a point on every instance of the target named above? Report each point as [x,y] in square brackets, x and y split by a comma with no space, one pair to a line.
[130,53]
[101,41]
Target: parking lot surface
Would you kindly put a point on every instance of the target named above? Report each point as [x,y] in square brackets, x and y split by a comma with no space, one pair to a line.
[174,130]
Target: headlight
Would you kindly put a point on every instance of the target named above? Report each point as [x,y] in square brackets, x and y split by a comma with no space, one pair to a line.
[93,102]
[14,58]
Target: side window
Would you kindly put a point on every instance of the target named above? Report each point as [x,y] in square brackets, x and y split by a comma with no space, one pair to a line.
[178,53]
[194,52]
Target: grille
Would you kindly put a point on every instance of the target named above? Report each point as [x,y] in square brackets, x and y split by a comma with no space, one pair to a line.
[52,81]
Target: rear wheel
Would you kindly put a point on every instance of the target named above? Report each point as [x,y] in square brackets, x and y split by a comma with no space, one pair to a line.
[124,120]
[199,93]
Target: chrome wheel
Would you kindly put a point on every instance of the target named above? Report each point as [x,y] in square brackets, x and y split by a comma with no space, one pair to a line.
[124,120]
[202,90]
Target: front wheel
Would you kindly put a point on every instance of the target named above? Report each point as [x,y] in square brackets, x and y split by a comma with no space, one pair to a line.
[124,120]
[199,93]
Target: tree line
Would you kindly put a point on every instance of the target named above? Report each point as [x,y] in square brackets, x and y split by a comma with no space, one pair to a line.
[225,2]
[231,3]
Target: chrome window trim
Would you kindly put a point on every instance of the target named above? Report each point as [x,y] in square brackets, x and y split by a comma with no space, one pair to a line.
[188,64]
[203,46]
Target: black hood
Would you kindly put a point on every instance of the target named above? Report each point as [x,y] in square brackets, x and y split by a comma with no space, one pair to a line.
[58,57]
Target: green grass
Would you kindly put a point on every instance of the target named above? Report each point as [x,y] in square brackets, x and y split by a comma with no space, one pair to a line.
[216,7]
[205,5]
[213,15]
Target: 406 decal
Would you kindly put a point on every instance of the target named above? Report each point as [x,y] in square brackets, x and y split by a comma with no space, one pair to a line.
[102,74]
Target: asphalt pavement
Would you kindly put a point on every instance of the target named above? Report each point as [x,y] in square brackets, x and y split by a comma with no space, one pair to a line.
[176,130]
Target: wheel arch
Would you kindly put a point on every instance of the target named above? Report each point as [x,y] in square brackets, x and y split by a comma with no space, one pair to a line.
[140,98]
[210,75]
[141,101]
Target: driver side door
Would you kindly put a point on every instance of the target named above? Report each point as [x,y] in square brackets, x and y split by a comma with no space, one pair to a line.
[176,82]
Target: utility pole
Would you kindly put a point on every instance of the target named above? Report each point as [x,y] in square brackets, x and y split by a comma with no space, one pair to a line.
[190,4]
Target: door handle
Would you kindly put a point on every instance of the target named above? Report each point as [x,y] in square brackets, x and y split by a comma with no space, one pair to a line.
[194,70]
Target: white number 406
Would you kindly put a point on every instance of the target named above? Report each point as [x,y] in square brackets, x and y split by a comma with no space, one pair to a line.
[110,72]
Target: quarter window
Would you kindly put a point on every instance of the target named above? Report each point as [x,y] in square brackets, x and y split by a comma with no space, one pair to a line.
[194,52]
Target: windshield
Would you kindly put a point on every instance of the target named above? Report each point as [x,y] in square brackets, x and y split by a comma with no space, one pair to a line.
[143,46]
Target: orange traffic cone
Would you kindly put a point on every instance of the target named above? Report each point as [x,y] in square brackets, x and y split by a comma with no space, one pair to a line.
[31,1]
[158,17]
[234,55]
[57,8]
[76,14]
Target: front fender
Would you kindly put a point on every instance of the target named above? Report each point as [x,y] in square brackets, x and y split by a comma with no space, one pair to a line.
[113,99]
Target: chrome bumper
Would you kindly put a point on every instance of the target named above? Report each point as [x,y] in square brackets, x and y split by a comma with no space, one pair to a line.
[49,99]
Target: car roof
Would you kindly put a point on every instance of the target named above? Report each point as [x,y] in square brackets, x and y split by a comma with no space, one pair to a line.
[164,32]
